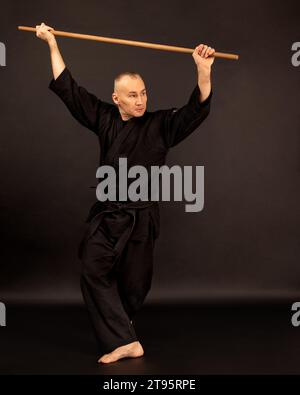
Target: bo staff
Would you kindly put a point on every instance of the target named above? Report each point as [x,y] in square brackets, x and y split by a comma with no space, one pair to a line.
[130,42]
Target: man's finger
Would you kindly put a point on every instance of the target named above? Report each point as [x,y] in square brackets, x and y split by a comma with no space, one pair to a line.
[207,52]
[46,27]
[211,51]
[203,51]
[199,48]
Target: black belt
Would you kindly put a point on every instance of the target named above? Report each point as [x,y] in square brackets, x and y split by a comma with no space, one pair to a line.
[99,209]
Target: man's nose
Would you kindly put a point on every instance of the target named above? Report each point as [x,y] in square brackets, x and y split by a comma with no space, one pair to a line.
[139,100]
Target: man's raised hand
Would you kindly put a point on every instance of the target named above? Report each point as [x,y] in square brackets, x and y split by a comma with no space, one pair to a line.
[202,56]
[44,32]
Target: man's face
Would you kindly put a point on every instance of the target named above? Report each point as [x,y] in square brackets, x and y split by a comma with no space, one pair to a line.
[131,97]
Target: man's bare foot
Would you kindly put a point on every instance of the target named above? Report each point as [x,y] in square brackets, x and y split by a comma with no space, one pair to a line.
[131,350]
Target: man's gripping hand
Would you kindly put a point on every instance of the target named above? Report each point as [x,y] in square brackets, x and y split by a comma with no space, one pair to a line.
[202,57]
[44,32]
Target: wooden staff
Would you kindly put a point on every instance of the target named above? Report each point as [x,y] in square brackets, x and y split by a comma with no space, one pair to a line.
[130,42]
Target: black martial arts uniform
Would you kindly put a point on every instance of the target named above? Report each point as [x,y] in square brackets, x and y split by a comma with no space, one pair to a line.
[117,249]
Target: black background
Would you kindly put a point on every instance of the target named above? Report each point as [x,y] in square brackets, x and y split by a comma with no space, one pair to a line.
[244,245]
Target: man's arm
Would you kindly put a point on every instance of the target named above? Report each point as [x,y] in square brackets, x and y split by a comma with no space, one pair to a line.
[85,107]
[57,62]
[203,58]
[180,123]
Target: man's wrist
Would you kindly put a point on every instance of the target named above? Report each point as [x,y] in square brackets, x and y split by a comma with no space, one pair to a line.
[52,43]
[204,83]
[204,72]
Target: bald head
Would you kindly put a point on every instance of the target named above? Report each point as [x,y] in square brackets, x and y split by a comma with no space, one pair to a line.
[130,94]
[123,79]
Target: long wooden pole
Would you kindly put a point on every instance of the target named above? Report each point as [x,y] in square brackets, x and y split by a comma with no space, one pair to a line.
[130,42]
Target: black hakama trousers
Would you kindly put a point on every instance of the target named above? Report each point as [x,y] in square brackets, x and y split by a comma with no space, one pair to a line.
[116,275]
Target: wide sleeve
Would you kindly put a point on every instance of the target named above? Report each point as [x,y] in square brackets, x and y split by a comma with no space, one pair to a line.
[83,105]
[179,123]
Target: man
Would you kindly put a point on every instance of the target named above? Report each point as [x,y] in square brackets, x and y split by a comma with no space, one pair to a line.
[117,249]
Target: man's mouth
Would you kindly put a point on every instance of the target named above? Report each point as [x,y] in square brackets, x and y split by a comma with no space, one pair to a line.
[139,109]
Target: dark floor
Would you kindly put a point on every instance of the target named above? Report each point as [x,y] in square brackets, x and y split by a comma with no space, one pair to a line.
[193,339]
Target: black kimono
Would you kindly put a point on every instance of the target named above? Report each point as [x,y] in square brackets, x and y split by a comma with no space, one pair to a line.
[117,249]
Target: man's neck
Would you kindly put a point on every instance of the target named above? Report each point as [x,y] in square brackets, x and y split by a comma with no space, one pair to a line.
[125,117]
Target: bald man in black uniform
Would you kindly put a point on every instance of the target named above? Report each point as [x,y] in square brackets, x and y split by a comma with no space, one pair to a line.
[117,248]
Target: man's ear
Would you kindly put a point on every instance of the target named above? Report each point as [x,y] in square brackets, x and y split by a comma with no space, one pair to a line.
[115,98]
